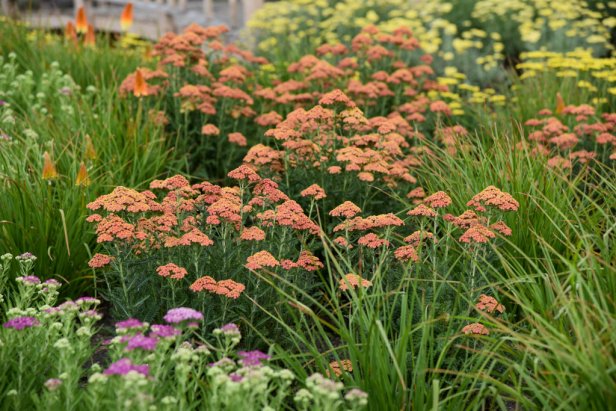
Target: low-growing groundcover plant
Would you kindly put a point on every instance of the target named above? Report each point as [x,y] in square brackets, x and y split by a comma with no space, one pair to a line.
[46,349]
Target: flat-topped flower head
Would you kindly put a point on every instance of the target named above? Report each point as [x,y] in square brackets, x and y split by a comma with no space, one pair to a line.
[253,233]
[340,367]
[122,199]
[475,328]
[502,228]
[210,130]
[423,211]
[231,331]
[493,197]
[489,304]
[406,253]
[252,358]
[172,183]
[164,331]
[141,342]
[315,191]
[181,314]
[244,172]
[124,366]
[439,199]
[416,193]
[336,96]
[261,259]
[19,323]
[419,237]
[227,288]
[371,240]
[100,260]
[87,302]
[353,281]
[28,280]
[346,209]
[477,234]
[128,325]
[26,257]
[172,271]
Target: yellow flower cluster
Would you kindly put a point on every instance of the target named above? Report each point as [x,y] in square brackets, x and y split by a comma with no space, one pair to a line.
[474,36]
[308,23]
[595,76]
[550,23]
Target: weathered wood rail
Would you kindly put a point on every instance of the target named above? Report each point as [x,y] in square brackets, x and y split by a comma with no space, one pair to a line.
[152,18]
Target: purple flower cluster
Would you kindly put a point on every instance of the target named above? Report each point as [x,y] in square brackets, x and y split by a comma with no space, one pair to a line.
[181,314]
[124,366]
[142,342]
[29,279]
[252,358]
[230,329]
[164,331]
[26,257]
[129,324]
[19,323]
[52,283]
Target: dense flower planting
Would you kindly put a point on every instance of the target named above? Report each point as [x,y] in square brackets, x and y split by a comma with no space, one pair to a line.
[365,204]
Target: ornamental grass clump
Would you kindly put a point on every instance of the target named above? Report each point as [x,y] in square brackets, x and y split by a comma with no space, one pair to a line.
[196,245]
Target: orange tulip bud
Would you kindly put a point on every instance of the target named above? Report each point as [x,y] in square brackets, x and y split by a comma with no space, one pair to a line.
[560,104]
[90,38]
[49,168]
[126,20]
[141,87]
[90,150]
[83,179]
[69,32]
[81,20]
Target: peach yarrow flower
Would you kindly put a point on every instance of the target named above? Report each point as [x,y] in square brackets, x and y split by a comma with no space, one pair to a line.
[489,304]
[353,281]
[475,328]
[172,271]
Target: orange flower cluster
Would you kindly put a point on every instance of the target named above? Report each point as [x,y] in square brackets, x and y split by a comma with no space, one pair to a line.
[353,281]
[100,260]
[198,51]
[261,259]
[419,237]
[322,138]
[489,304]
[476,328]
[172,271]
[176,220]
[227,288]
[572,134]
[493,197]
[339,367]
[314,191]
